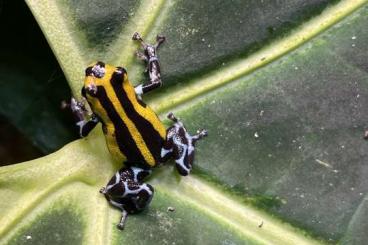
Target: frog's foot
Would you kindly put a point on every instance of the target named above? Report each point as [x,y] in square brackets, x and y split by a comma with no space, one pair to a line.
[200,134]
[172,117]
[159,40]
[124,215]
[181,145]
[126,192]
[78,108]
[137,37]
[366,135]
[85,121]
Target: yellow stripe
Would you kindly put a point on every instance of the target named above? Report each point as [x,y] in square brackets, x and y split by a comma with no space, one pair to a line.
[111,143]
[137,137]
[97,107]
[147,113]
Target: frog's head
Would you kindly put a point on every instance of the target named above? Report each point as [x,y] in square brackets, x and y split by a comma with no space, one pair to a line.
[100,74]
[95,73]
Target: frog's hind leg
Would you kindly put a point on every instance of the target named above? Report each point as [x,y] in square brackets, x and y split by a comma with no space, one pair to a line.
[127,191]
[181,145]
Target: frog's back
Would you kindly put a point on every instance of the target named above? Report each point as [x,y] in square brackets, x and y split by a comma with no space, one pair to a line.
[132,130]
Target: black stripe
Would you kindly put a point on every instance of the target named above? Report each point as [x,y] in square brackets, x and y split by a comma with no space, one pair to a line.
[150,86]
[149,134]
[83,92]
[121,69]
[89,71]
[100,63]
[124,139]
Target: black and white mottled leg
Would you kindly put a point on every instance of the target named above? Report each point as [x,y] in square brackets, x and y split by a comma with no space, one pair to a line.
[180,145]
[85,122]
[127,191]
[153,65]
[159,40]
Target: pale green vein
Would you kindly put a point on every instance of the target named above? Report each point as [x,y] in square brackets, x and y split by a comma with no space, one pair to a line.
[242,218]
[72,163]
[59,36]
[176,96]
[94,211]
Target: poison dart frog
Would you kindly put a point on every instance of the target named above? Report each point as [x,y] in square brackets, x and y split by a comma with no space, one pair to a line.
[134,133]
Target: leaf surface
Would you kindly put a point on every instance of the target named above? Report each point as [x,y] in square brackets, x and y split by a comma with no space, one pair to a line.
[281,88]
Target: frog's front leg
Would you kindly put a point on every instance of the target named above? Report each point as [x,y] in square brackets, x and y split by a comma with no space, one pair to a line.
[153,65]
[180,145]
[84,122]
[127,191]
[141,56]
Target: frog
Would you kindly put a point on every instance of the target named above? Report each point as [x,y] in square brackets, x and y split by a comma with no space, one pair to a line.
[134,133]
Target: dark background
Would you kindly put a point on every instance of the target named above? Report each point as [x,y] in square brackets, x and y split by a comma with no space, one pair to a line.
[32,86]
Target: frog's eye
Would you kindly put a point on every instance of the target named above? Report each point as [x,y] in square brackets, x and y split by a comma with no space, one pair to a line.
[99,69]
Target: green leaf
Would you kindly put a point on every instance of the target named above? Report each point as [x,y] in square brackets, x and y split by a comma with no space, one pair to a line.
[26,93]
[279,85]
